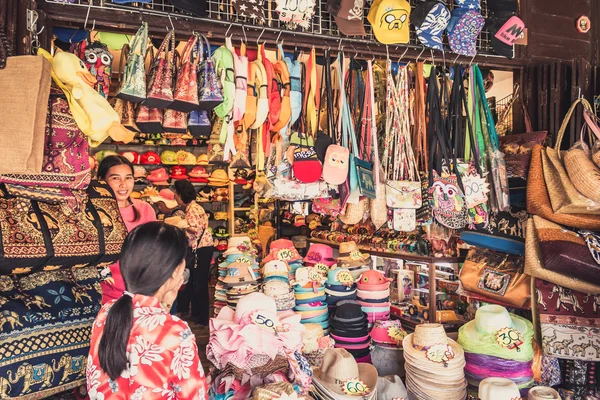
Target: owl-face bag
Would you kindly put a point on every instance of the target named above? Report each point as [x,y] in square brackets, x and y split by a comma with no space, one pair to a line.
[335,166]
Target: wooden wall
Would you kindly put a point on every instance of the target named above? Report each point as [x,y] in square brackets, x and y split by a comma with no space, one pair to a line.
[552,30]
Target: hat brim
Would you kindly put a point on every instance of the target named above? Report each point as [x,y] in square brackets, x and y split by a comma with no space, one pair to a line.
[350,28]
[470,331]
[168,203]
[420,356]
[367,373]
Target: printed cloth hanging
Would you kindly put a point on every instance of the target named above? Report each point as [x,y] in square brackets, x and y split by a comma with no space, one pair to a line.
[296,12]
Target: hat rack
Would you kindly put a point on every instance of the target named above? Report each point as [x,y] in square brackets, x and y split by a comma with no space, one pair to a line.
[126,19]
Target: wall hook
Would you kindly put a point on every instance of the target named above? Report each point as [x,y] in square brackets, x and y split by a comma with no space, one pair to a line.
[420,54]
[259,36]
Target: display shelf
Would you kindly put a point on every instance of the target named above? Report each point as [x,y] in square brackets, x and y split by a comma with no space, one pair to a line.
[430,261]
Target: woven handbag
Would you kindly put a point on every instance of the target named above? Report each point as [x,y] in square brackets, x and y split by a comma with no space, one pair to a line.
[564,197]
[538,199]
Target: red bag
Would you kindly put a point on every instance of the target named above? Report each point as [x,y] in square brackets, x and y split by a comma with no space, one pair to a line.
[160,88]
[186,88]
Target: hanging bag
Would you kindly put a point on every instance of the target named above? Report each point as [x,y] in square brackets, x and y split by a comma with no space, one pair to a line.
[423,213]
[175,121]
[125,108]
[133,86]
[564,197]
[210,94]
[160,86]
[403,189]
[185,97]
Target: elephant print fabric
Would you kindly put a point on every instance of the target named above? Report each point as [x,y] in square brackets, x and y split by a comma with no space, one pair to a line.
[570,322]
[45,325]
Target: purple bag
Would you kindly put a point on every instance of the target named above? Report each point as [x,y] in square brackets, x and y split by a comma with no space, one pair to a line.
[66,162]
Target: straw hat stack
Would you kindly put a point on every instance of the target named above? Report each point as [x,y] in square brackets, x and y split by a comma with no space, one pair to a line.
[350,330]
[238,273]
[374,295]
[351,258]
[495,342]
[434,365]
[387,353]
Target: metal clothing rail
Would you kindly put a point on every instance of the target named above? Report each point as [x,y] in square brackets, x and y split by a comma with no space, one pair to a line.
[126,19]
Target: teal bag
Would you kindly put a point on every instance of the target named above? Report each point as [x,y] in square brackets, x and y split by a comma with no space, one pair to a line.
[133,87]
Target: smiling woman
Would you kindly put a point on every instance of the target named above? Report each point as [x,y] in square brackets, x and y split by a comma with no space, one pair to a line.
[117,171]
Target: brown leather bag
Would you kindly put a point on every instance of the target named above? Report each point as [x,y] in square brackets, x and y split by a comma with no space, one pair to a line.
[496,275]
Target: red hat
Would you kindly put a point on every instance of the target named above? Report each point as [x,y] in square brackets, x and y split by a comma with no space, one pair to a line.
[132,156]
[199,172]
[373,280]
[159,177]
[150,158]
[179,172]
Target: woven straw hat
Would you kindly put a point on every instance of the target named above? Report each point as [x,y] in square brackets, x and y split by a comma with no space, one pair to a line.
[340,371]
[498,389]
[542,393]
[424,346]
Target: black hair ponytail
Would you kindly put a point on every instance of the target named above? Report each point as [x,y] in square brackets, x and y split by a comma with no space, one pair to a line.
[150,255]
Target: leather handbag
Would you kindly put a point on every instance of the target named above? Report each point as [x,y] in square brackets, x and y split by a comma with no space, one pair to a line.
[160,86]
[65,163]
[185,96]
[499,276]
[24,89]
[39,235]
[133,86]
[564,196]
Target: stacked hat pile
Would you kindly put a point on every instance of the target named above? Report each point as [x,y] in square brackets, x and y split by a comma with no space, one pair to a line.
[498,344]
[276,285]
[238,273]
[316,343]
[434,364]
[320,256]
[350,330]
[284,250]
[254,345]
[218,178]
[351,258]
[374,295]
[386,352]
[310,297]
[340,286]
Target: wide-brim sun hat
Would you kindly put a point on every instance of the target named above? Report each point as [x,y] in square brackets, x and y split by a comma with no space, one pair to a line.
[430,346]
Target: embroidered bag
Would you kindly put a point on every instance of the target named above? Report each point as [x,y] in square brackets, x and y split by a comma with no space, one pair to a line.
[66,162]
[160,86]
[133,86]
[199,124]
[149,120]
[185,97]
[210,94]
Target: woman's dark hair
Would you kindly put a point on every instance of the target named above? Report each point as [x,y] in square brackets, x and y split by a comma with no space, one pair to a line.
[112,161]
[185,190]
[150,254]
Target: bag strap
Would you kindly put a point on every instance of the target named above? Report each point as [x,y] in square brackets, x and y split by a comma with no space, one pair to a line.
[310,90]
[420,124]
[373,123]
[528,124]
[563,127]
[139,43]
[123,62]
[189,49]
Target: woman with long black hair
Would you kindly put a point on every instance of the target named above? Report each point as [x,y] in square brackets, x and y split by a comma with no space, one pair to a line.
[117,171]
[137,349]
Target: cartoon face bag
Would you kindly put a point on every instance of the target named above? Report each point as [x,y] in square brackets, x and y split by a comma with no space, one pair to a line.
[448,202]
[390,20]
[98,60]
[335,166]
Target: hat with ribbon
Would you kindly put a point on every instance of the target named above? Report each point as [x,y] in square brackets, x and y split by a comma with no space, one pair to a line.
[276,270]
[319,253]
[158,176]
[283,250]
[463,30]
[341,377]
[239,273]
[150,158]
[430,19]
[388,333]
[340,276]
[239,245]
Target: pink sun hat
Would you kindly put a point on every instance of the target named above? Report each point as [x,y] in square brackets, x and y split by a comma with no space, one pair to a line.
[373,281]
[283,250]
[319,253]
[388,332]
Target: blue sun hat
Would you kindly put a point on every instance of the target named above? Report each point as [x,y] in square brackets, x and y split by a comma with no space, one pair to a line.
[463,30]
[430,20]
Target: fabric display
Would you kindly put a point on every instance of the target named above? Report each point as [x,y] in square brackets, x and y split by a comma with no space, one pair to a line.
[497,344]
[349,329]
[434,364]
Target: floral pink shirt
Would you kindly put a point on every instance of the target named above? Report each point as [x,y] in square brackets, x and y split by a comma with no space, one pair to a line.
[162,354]
[198,223]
